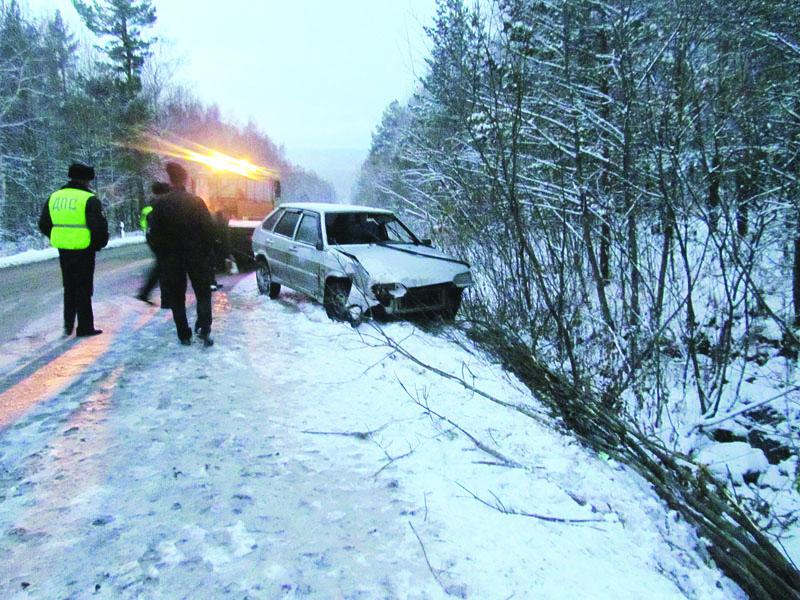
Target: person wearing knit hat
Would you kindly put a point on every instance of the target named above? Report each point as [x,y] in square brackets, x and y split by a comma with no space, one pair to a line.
[73,219]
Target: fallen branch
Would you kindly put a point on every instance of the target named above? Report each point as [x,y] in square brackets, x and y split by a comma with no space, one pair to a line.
[361,435]
[740,550]
[427,561]
[734,542]
[481,446]
[393,459]
[403,352]
[492,463]
[735,413]
[511,511]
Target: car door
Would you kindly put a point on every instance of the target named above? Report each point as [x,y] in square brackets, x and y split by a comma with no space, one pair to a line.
[280,246]
[306,254]
[262,236]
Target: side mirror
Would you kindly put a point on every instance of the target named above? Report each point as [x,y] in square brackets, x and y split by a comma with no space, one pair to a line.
[319,245]
[427,242]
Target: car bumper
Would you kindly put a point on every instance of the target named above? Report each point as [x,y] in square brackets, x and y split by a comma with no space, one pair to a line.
[412,300]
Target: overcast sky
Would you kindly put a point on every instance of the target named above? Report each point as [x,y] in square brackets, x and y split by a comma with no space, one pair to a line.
[315,75]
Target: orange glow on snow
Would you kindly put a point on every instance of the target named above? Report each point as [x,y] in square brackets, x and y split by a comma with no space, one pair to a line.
[53,378]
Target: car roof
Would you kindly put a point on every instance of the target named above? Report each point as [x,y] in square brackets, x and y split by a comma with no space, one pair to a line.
[324,207]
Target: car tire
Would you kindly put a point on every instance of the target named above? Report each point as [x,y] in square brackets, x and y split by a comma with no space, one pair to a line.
[264,280]
[452,304]
[337,292]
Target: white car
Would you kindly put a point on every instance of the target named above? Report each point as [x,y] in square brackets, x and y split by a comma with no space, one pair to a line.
[355,259]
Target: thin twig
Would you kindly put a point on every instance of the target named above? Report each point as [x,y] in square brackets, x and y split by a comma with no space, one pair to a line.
[511,511]
[392,459]
[494,463]
[425,554]
[476,441]
[361,435]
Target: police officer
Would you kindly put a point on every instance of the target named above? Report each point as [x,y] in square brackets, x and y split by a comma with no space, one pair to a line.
[73,220]
[182,236]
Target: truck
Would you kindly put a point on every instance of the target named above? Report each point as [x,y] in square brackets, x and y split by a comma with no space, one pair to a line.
[238,203]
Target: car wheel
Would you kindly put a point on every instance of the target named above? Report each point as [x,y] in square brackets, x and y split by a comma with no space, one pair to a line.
[264,280]
[335,300]
[452,304]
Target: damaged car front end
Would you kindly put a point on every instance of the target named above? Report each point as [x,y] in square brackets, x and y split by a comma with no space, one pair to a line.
[358,260]
[419,280]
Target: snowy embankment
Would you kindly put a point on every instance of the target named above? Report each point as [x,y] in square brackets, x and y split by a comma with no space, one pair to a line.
[24,257]
[302,458]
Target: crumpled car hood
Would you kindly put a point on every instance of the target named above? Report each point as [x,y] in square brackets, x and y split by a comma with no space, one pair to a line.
[413,266]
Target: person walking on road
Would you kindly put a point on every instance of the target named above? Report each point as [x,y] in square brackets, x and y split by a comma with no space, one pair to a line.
[73,220]
[159,188]
[182,235]
[222,248]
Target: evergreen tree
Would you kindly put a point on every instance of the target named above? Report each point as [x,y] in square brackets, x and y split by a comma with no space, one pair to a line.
[123,22]
[61,46]
[118,86]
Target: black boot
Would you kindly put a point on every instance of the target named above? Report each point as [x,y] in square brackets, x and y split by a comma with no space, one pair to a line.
[88,332]
[205,335]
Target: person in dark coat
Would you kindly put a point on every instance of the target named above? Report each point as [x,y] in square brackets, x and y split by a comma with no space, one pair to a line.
[182,235]
[159,188]
[222,246]
[73,220]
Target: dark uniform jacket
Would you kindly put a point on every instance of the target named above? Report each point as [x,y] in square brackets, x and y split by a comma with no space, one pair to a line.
[181,224]
[95,221]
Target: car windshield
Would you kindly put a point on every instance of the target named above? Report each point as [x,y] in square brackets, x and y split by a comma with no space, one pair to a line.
[367,228]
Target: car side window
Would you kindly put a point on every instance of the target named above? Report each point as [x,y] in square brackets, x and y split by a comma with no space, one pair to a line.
[308,231]
[270,221]
[287,224]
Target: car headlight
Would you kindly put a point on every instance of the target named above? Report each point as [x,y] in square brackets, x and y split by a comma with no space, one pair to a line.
[384,292]
[463,279]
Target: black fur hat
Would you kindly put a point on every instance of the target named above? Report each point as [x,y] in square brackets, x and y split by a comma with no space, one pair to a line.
[80,171]
[177,174]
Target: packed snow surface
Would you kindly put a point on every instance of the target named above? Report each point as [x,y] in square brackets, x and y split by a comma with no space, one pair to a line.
[299,457]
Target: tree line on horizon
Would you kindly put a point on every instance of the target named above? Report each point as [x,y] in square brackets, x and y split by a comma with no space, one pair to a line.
[63,100]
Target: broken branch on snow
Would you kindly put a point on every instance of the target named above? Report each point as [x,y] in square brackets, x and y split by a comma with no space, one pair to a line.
[500,507]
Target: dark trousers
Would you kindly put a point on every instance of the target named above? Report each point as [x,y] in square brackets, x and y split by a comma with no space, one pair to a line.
[153,278]
[175,268]
[77,275]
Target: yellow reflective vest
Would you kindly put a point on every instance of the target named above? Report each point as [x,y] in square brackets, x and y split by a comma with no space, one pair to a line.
[68,213]
[145,211]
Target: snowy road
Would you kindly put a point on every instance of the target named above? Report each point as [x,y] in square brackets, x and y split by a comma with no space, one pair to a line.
[32,291]
[296,459]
